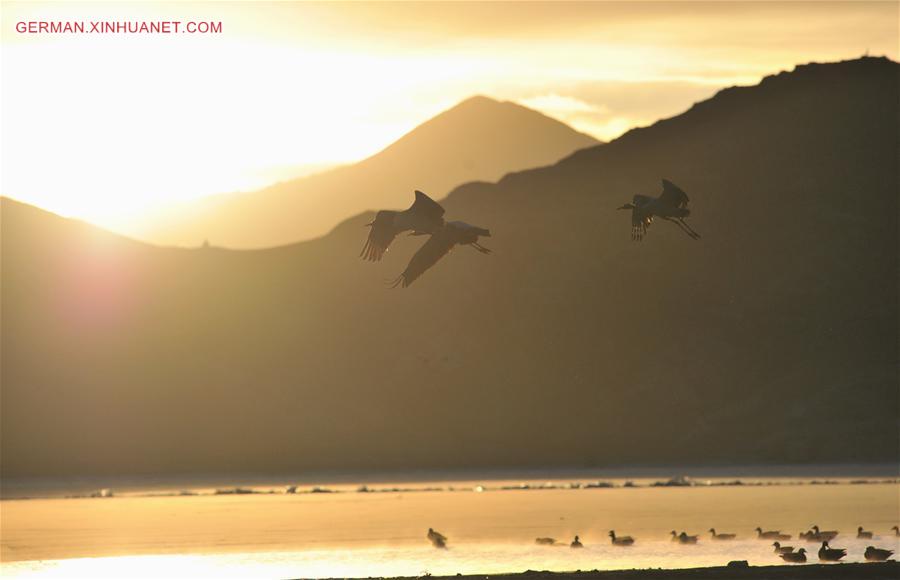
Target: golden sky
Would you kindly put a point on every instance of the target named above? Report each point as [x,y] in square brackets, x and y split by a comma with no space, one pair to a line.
[103,126]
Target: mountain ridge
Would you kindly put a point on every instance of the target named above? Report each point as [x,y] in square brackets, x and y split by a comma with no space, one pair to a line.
[479,138]
[773,340]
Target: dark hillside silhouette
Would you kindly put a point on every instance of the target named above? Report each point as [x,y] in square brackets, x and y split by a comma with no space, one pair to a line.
[773,339]
[478,139]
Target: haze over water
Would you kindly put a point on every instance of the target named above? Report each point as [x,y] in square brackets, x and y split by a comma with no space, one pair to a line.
[382,534]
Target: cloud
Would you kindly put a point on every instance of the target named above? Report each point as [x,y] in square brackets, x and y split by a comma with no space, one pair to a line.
[554,103]
[606,109]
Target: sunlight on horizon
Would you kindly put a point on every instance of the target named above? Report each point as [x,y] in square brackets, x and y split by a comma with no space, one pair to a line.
[106,127]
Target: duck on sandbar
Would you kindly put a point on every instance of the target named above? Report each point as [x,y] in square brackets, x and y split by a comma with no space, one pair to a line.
[797,557]
[874,554]
[779,549]
[621,540]
[716,536]
[437,539]
[771,535]
[829,554]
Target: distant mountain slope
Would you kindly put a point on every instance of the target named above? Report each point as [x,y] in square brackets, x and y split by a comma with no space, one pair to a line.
[773,339]
[479,139]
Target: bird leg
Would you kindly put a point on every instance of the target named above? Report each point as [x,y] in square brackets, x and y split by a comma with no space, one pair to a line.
[683,227]
[694,235]
[480,248]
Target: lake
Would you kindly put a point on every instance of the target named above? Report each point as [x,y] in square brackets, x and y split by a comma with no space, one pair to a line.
[491,527]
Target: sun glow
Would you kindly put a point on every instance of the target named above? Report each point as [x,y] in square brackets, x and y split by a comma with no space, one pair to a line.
[107,127]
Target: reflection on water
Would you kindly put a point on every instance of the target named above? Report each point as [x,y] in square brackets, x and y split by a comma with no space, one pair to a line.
[382,534]
[412,561]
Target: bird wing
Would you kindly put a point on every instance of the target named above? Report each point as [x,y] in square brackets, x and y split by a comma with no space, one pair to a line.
[437,246]
[640,221]
[673,195]
[469,229]
[380,237]
[427,207]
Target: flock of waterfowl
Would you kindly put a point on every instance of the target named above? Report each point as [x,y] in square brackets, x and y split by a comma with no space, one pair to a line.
[425,217]
[787,553]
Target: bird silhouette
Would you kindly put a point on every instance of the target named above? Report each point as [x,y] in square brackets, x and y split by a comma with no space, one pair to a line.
[437,539]
[874,554]
[797,557]
[863,534]
[716,536]
[439,245]
[896,531]
[779,549]
[424,216]
[683,538]
[829,554]
[545,541]
[620,540]
[671,205]
[771,535]
[576,543]
[826,535]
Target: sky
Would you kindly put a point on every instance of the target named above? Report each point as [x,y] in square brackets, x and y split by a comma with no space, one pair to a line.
[105,126]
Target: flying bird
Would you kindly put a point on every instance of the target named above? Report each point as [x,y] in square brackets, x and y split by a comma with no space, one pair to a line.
[671,205]
[797,557]
[439,245]
[424,216]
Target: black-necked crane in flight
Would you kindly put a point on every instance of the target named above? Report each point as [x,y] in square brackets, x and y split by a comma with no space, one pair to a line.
[424,216]
[671,205]
[439,245]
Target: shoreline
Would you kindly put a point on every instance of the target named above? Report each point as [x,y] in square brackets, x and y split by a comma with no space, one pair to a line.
[840,571]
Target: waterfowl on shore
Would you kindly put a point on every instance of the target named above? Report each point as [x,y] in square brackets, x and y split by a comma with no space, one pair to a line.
[826,535]
[716,536]
[779,549]
[576,543]
[797,557]
[620,541]
[829,554]
[863,534]
[437,539]
[544,541]
[771,535]
[874,554]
